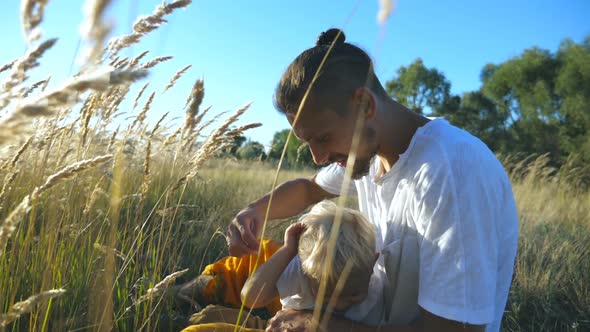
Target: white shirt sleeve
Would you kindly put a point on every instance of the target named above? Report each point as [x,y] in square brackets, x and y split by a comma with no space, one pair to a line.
[458,251]
[293,288]
[330,178]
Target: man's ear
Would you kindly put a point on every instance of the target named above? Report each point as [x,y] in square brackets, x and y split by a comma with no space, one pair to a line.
[364,100]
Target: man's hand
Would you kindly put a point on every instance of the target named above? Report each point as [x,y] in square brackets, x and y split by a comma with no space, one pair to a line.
[292,235]
[243,231]
[290,321]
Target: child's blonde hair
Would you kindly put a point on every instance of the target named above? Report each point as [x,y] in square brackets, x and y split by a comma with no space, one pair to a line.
[355,243]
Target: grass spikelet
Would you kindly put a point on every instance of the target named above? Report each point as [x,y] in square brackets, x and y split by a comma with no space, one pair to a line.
[35,86]
[19,69]
[138,58]
[7,66]
[113,139]
[157,125]
[31,12]
[142,115]
[14,124]
[6,186]
[144,25]
[69,172]
[19,153]
[175,78]
[93,30]
[193,102]
[153,62]
[159,288]
[217,141]
[20,308]
[140,94]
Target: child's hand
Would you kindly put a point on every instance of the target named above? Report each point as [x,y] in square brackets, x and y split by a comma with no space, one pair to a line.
[292,235]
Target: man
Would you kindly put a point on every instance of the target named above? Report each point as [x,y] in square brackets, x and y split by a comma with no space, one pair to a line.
[410,173]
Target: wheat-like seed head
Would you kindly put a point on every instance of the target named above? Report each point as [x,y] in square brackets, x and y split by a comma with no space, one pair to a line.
[142,115]
[138,58]
[8,180]
[175,78]
[14,124]
[94,31]
[20,308]
[31,13]
[144,25]
[153,62]
[19,69]
[69,172]
[140,94]
[159,288]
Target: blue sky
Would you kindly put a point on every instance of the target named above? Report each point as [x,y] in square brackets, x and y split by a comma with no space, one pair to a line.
[242,47]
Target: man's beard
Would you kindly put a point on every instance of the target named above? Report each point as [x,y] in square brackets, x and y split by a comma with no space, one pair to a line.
[362,167]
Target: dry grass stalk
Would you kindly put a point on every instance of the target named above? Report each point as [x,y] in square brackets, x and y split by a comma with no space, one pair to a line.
[145,183]
[159,288]
[19,69]
[34,86]
[144,25]
[113,139]
[140,94]
[68,172]
[7,66]
[153,62]
[93,197]
[20,308]
[14,124]
[171,137]
[8,180]
[19,153]
[94,31]
[190,140]
[193,102]
[31,12]
[218,141]
[142,115]
[138,58]
[157,126]
[175,78]
[121,63]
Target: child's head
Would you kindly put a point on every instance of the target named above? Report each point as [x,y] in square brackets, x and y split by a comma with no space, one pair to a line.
[355,245]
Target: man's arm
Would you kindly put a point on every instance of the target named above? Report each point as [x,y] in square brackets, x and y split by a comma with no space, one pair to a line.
[289,199]
[427,322]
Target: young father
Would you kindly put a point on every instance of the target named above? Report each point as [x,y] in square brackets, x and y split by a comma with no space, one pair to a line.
[423,183]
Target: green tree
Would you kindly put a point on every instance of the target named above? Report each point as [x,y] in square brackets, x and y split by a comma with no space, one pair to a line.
[251,150]
[418,87]
[297,153]
[545,99]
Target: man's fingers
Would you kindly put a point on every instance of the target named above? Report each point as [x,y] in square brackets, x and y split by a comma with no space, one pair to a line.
[236,246]
[248,237]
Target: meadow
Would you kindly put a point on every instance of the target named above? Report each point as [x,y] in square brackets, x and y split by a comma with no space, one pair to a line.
[99,218]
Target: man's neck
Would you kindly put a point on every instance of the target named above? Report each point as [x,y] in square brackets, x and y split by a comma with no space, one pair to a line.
[396,131]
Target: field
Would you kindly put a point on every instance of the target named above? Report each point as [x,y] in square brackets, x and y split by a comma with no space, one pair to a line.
[99,218]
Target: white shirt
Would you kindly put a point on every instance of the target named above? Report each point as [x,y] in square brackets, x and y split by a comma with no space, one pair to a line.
[450,192]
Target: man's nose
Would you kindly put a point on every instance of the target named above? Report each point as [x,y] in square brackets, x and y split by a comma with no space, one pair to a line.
[320,157]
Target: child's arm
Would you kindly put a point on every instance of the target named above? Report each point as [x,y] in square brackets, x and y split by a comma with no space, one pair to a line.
[261,287]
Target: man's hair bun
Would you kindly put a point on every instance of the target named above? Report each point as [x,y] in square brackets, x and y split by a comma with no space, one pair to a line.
[328,36]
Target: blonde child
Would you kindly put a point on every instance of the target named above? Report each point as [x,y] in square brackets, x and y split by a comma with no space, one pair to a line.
[295,271]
